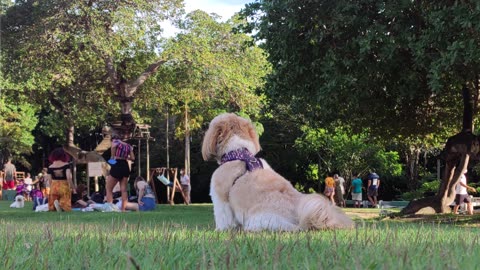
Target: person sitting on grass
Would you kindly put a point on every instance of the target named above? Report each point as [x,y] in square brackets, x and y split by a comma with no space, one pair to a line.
[80,198]
[38,198]
[145,196]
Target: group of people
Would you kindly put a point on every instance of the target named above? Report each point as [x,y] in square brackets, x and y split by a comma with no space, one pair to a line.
[56,182]
[22,186]
[64,194]
[335,189]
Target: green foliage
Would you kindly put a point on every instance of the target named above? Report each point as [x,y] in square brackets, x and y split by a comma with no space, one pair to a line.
[16,124]
[59,52]
[427,187]
[395,67]
[211,69]
[347,153]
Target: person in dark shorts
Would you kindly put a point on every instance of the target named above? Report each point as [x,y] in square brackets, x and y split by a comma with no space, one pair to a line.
[121,155]
[372,188]
[462,195]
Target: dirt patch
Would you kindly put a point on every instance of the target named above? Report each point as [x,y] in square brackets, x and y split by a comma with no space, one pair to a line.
[462,219]
[361,214]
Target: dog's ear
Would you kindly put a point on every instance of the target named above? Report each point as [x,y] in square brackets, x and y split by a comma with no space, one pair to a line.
[254,136]
[212,137]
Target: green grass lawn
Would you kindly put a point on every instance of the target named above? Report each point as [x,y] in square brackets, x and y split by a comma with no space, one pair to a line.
[182,237]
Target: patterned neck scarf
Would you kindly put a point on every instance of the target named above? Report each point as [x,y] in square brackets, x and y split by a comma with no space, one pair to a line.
[244,155]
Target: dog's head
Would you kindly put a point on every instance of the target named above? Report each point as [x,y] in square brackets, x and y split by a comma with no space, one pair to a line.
[19,198]
[228,132]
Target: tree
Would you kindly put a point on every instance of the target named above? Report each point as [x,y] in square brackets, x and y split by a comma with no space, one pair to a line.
[211,69]
[16,124]
[346,153]
[125,35]
[83,54]
[394,65]
[50,66]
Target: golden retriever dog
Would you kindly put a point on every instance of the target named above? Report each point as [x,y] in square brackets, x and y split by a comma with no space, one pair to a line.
[248,194]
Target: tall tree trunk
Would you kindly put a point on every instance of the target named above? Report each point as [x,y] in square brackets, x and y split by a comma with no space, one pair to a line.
[187,142]
[166,137]
[125,91]
[70,134]
[458,151]
[412,157]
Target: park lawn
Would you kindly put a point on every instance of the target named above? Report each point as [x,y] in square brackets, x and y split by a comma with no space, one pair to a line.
[182,237]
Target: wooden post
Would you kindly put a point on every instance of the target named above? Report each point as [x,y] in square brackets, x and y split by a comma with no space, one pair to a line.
[176,188]
[138,159]
[97,188]
[152,176]
[148,157]
[168,155]
[74,172]
[187,142]
[88,179]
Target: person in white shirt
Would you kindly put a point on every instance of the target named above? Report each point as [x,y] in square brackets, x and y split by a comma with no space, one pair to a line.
[339,190]
[462,195]
[28,182]
[372,188]
[185,182]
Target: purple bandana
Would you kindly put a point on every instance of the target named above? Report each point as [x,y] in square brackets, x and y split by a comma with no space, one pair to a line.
[244,155]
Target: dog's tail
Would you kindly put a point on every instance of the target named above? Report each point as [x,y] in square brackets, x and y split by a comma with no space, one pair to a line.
[317,212]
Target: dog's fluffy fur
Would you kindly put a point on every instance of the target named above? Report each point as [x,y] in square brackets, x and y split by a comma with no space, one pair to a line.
[19,202]
[261,199]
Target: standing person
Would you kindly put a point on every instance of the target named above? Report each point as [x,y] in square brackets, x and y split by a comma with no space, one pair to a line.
[60,176]
[330,188]
[339,190]
[357,186]
[121,154]
[185,182]
[10,175]
[28,181]
[462,195]
[372,188]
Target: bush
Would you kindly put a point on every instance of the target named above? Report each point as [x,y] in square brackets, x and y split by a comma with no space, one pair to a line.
[426,189]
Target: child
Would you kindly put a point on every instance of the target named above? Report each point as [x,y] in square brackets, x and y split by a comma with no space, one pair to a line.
[37,198]
[28,182]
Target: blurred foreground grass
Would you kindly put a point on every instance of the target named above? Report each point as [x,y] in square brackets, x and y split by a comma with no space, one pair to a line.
[183,237]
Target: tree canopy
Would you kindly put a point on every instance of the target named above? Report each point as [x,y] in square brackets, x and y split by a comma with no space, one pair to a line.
[213,69]
[397,66]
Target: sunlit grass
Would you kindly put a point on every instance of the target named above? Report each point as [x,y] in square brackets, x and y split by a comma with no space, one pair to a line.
[182,237]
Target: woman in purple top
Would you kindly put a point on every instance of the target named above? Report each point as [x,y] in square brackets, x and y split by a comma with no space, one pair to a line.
[122,153]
